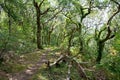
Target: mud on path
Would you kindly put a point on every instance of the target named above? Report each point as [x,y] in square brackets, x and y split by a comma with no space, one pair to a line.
[30,71]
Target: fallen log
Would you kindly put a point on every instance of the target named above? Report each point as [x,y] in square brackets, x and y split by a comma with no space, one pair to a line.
[73,62]
[57,62]
[69,71]
[80,70]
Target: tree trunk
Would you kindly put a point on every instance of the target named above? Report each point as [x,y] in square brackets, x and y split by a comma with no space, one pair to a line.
[49,38]
[39,45]
[39,27]
[34,33]
[39,14]
[9,24]
[80,38]
[100,50]
[69,42]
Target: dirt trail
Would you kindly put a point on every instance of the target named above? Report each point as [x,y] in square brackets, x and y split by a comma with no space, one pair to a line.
[30,71]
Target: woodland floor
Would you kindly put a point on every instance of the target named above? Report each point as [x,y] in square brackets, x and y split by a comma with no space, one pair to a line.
[32,66]
[31,70]
[32,62]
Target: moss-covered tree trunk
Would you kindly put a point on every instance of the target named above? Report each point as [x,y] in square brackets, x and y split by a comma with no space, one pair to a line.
[100,51]
[39,45]
[101,42]
[39,13]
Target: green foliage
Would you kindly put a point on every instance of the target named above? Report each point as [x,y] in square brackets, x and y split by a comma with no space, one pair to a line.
[3,78]
[111,64]
[13,8]
[117,41]
[18,33]
[12,68]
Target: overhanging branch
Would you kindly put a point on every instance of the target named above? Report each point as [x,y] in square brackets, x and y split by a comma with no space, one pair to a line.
[118,10]
[54,16]
[41,3]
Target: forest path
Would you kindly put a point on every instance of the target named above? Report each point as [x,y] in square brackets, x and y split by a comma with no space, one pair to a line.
[30,71]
